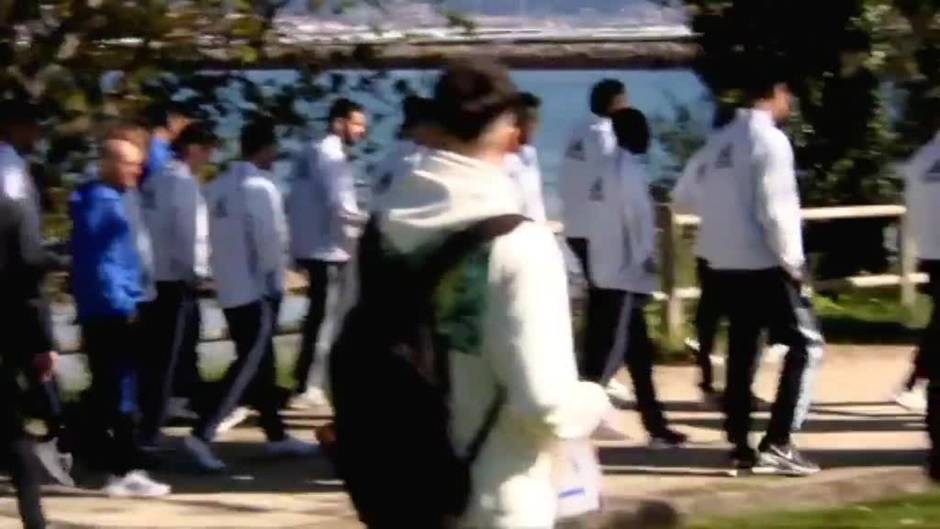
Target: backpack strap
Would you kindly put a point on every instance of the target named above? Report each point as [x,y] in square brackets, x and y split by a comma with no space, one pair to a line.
[454,249]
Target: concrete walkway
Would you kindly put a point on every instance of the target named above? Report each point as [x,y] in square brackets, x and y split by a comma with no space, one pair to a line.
[869,447]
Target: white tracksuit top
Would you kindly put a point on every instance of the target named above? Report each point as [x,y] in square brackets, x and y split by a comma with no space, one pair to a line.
[623,228]
[142,241]
[176,216]
[586,158]
[17,184]
[687,192]
[524,171]
[922,193]
[321,206]
[749,203]
[247,235]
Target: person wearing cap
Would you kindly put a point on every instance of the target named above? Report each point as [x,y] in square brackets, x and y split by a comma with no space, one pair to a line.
[248,255]
[108,286]
[523,165]
[176,217]
[751,237]
[415,138]
[324,215]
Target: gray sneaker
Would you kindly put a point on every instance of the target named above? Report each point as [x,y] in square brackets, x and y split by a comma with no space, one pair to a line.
[57,464]
[783,461]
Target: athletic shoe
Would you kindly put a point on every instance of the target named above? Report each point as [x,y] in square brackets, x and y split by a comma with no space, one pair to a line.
[135,484]
[291,447]
[913,399]
[668,439]
[743,461]
[712,400]
[619,394]
[784,461]
[693,345]
[312,398]
[202,454]
[57,464]
[178,408]
[238,416]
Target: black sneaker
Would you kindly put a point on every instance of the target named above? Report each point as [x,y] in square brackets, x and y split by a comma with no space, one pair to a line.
[777,460]
[667,439]
[743,459]
[933,468]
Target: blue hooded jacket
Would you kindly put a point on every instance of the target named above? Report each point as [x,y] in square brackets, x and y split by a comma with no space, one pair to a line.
[106,269]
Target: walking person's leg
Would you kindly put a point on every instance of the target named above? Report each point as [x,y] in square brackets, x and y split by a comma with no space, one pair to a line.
[791,313]
[318,279]
[743,338]
[17,450]
[707,314]
[187,381]
[601,334]
[638,356]
[931,365]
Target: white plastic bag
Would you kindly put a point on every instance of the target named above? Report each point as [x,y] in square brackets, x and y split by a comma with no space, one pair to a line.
[577,476]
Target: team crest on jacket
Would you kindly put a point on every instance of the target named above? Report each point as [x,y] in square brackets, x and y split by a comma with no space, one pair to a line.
[597,191]
[933,175]
[576,151]
[725,158]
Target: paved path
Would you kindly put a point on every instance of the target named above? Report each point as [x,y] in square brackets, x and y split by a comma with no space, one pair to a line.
[869,447]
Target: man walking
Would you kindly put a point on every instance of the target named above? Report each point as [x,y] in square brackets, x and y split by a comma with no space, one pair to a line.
[175,214]
[28,348]
[415,138]
[107,280]
[922,192]
[323,213]
[248,240]
[751,237]
[523,165]
[622,249]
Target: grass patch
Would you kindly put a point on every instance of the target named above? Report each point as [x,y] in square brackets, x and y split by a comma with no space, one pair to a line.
[920,511]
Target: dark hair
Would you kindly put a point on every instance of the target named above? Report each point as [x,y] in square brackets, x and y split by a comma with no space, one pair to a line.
[632,130]
[20,112]
[416,110]
[603,95]
[196,133]
[256,136]
[342,108]
[724,114]
[158,115]
[761,78]
[471,94]
[527,107]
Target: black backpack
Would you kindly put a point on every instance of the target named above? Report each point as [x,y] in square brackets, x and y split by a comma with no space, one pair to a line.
[389,377]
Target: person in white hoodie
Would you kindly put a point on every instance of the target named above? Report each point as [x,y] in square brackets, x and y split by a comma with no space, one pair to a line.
[176,217]
[622,253]
[522,330]
[323,214]
[248,242]
[751,237]
[922,194]
[523,164]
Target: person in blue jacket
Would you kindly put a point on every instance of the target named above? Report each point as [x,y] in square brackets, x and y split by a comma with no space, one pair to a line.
[107,283]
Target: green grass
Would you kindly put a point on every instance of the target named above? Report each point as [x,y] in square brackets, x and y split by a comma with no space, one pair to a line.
[921,511]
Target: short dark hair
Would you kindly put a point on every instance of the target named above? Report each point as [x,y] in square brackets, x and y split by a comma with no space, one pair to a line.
[257,135]
[761,78]
[196,133]
[632,130]
[416,110]
[158,114]
[527,107]
[471,94]
[342,108]
[603,95]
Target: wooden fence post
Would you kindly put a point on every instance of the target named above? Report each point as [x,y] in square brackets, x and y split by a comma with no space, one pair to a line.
[673,316]
[907,248]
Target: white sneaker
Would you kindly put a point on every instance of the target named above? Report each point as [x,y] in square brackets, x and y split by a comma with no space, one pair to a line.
[312,398]
[178,408]
[914,399]
[291,447]
[57,464]
[135,484]
[202,454]
[620,395]
[693,345]
[235,418]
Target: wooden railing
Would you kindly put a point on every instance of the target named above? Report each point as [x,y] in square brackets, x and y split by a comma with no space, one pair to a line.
[673,295]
